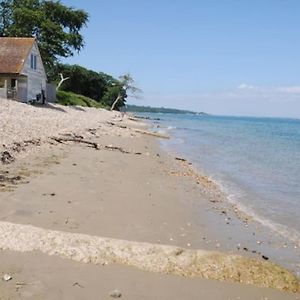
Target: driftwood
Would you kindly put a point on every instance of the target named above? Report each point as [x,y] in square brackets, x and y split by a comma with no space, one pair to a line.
[114,124]
[180,159]
[152,134]
[94,145]
[75,140]
[116,148]
[133,119]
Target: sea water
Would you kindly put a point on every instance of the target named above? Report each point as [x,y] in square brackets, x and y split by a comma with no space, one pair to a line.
[255,161]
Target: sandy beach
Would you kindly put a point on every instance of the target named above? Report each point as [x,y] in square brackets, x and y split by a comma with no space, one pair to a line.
[92,208]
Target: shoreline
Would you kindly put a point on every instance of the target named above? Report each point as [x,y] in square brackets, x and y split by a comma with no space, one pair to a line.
[275,245]
[71,187]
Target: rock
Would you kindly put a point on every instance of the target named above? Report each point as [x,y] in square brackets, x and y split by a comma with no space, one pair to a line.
[115,294]
[6,277]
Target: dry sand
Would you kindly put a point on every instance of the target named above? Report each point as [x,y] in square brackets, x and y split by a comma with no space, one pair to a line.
[74,188]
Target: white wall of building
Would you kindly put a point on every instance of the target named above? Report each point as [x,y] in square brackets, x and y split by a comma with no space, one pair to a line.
[36,78]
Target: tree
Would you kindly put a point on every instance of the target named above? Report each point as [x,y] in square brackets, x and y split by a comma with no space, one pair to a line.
[5,16]
[125,85]
[55,26]
[83,81]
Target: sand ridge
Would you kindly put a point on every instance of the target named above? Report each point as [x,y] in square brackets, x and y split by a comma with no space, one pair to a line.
[151,257]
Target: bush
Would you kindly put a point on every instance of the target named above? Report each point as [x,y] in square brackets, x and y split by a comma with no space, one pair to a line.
[72,99]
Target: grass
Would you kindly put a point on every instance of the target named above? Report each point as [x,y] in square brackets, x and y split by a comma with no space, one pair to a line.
[72,99]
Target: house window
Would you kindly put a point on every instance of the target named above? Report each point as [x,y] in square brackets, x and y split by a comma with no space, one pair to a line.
[33,61]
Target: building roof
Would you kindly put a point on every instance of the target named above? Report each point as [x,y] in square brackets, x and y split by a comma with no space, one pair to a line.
[13,53]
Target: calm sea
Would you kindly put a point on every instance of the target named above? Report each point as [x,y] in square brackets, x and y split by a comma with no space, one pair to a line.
[256,161]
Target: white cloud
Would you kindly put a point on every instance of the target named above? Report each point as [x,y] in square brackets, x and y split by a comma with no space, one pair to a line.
[244,86]
[289,90]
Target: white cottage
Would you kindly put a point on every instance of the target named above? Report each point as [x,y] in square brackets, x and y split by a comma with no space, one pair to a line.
[22,73]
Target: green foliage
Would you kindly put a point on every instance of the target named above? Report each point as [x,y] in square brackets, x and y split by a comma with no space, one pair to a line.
[101,87]
[55,26]
[71,99]
[125,85]
[111,95]
[82,81]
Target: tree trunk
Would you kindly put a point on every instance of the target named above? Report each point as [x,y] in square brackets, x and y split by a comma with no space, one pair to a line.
[116,101]
[62,80]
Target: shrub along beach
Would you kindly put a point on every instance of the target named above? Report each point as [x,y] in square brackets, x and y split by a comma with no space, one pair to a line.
[86,195]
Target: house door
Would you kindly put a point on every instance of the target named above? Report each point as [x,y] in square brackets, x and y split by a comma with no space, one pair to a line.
[13,83]
[11,91]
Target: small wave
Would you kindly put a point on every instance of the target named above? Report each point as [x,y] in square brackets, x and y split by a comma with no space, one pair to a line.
[287,232]
[171,128]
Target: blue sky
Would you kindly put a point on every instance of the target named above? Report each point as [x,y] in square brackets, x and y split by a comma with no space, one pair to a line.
[224,57]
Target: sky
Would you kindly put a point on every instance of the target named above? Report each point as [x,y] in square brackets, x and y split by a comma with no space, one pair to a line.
[225,57]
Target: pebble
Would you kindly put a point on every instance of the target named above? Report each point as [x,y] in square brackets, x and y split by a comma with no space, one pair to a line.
[6,277]
[115,294]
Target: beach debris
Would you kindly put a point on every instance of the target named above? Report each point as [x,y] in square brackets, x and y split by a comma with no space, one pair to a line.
[92,131]
[114,124]
[9,179]
[50,194]
[180,159]
[156,134]
[133,119]
[94,145]
[75,140]
[115,294]
[74,135]
[78,284]
[6,277]
[6,158]
[111,147]
[265,257]
[179,252]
